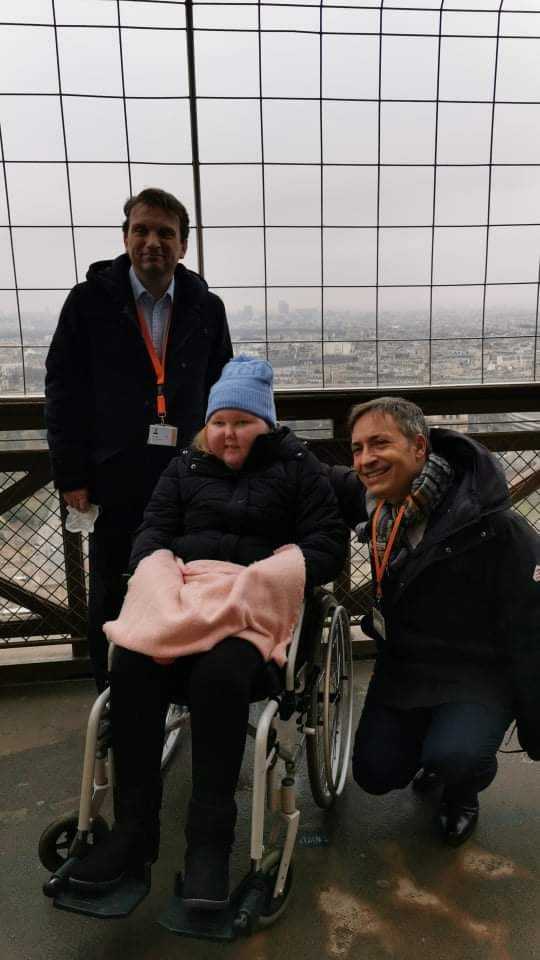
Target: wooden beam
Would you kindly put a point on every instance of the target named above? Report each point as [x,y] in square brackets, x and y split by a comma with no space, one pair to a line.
[27,413]
[39,476]
[57,618]
[22,413]
[523,488]
[334,404]
[45,671]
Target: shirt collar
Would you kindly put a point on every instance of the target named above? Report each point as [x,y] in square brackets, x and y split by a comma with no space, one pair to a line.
[139,289]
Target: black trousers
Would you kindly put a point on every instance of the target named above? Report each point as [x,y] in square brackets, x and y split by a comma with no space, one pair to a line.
[217,685]
[122,485]
[109,548]
[458,741]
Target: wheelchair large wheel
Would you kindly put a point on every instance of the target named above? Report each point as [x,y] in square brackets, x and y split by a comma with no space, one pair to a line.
[56,840]
[330,711]
[174,723]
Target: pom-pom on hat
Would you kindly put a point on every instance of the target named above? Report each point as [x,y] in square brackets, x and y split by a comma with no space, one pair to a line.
[245,384]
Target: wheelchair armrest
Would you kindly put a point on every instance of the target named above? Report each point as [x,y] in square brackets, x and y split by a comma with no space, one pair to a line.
[104,734]
[290,672]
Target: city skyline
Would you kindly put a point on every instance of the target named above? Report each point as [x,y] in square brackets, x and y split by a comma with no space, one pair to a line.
[347,349]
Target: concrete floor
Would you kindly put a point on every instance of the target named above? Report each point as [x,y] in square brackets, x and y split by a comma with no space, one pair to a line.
[382,887]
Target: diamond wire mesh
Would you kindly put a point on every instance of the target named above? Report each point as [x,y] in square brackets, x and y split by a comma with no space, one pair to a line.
[32,558]
[32,549]
[442,241]
[518,465]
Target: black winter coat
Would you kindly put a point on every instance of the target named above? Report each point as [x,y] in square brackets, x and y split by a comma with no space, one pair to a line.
[202,509]
[462,610]
[101,387]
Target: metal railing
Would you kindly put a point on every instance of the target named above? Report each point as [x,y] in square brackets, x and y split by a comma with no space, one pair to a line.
[43,568]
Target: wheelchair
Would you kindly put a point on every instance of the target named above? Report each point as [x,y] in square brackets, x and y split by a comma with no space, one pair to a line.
[311,708]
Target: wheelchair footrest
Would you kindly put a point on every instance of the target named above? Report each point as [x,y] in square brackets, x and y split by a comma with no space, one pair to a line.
[201,924]
[117,903]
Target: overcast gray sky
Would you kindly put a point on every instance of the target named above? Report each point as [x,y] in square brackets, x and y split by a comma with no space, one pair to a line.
[321,226]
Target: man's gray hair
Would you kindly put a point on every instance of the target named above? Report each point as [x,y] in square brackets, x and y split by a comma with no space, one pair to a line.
[407,415]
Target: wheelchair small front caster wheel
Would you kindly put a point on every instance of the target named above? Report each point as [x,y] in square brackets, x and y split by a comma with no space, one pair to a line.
[242,924]
[56,840]
[258,907]
[273,907]
[247,918]
[53,886]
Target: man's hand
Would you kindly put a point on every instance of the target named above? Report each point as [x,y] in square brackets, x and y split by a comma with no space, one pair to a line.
[77,499]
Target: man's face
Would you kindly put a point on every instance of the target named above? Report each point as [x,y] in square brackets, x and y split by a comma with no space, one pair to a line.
[386,461]
[153,244]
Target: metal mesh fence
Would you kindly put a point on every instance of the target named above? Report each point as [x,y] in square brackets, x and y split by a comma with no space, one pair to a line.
[364,176]
[41,592]
[43,580]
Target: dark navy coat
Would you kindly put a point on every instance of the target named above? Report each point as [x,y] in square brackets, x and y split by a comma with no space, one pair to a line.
[462,609]
[202,509]
[101,386]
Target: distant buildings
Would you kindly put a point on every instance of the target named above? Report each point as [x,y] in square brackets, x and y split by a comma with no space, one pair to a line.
[340,347]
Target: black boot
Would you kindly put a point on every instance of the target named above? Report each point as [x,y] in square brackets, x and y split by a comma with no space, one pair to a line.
[132,842]
[458,818]
[210,836]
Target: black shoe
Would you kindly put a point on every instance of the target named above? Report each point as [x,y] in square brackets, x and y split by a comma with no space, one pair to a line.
[458,820]
[206,877]
[425,781]
[210,836]
[108,863]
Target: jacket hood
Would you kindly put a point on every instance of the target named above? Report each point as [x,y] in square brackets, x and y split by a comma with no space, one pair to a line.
[480,486]
[113,277]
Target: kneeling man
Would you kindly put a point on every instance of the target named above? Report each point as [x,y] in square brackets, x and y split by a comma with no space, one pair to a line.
[456,611]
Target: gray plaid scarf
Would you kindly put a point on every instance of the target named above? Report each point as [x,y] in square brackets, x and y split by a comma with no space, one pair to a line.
[427,491]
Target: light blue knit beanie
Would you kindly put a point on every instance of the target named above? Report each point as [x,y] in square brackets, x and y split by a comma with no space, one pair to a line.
[245,384]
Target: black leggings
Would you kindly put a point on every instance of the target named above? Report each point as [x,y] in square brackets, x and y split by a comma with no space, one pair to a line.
[218,686]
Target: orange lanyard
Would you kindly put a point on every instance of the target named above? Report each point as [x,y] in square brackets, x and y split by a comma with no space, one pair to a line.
[159,367]
[381,564]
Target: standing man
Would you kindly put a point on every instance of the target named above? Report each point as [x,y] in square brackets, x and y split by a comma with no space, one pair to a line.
[456,613]
[136,350]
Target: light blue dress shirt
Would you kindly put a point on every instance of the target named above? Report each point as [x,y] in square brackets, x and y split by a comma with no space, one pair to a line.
[156,313]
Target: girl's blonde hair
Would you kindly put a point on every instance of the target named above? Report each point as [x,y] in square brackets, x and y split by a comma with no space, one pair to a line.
[200,442]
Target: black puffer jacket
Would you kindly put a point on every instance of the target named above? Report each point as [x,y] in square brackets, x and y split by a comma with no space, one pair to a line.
[462,611]
[201,509]
[101,386]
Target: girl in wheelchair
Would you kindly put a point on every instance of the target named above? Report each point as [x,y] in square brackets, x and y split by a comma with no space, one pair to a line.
[243,489]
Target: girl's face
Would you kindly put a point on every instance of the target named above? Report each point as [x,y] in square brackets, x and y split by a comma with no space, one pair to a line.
[230,435]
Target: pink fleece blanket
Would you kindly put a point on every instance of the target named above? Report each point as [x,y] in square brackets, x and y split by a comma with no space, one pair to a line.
[174,608]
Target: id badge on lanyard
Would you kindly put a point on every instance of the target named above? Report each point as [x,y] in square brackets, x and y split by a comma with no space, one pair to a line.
[160,434]
[380,564]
